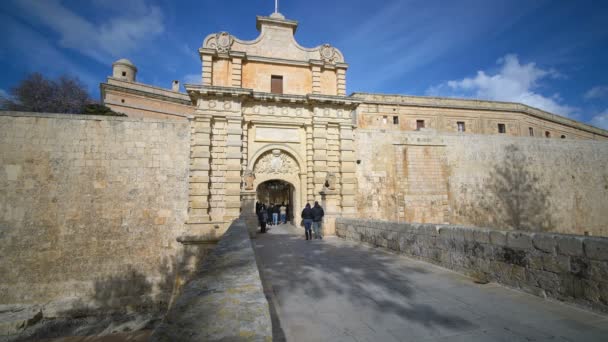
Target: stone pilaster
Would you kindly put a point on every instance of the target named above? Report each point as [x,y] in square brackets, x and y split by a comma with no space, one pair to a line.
[334,155]
[316,76]
[207,69]
[330,202]
[199,168]
[348,180]
[341,78]
[319,155]
[233,161]
[218,168]
[310,185]
[237,72]
[248,211]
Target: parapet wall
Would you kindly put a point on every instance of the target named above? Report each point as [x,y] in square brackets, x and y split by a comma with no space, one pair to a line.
[225,300]
[90,209]
[566,267]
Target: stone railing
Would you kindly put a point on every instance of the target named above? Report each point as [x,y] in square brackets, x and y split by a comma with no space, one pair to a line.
[571,268]
[225,300]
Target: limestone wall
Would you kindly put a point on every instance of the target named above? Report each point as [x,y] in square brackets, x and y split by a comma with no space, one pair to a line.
[90,208]
[489,181]
[566,267]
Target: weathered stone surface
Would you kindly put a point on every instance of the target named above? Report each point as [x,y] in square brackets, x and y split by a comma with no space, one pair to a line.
[15,318]
[225,301]
[523,260]
[569,245]
[596,249]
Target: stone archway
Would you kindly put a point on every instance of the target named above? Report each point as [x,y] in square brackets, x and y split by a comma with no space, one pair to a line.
[280,165]
[277,192]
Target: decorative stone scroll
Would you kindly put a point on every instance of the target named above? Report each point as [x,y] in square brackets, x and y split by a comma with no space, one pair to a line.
[328,54]
[276,162]
[222,42]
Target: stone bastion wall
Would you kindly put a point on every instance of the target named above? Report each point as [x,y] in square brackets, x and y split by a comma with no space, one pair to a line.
[570,268]
[90,209]
[497,181]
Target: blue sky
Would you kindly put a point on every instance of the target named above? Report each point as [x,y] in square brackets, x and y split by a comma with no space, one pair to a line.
[551,54]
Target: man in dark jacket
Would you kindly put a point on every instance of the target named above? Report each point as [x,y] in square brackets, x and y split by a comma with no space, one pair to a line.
[317,220]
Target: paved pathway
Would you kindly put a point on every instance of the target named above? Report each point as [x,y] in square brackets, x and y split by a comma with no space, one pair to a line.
[335,290]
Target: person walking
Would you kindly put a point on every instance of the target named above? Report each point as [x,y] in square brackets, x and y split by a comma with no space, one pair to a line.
[269,212]
[307,216]
[275,215]
[283,212]
[262,217]
[317,220]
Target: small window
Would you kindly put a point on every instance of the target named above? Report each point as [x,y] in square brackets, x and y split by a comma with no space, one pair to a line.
[461,127]
[122,100]
[124,73]
[547,134]
[419,124]
[385,120]
[563,137]
[395,120]
[531,131]
[276,84]
[501,128]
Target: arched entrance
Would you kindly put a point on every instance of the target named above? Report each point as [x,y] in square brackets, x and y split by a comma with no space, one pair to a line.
[276,192]
[278,178]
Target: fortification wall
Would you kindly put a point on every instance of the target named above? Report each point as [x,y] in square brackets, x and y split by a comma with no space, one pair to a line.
[90,208]
[565,267]
[489,181]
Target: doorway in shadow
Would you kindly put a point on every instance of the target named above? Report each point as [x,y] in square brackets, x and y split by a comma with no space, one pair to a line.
[276,192]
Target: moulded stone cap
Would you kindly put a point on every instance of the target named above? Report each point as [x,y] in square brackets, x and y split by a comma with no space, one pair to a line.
[124,61]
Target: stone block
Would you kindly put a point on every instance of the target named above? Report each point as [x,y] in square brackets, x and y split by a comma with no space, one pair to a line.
[544,242]
[569,245]
[482,235]
[556,263]
[596,248]
[519,240]
[498,238]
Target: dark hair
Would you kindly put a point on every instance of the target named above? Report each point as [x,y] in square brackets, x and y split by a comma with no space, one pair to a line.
[308,205]
[316,202]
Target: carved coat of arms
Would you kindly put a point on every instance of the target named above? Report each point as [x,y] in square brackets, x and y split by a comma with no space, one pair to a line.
[276,162]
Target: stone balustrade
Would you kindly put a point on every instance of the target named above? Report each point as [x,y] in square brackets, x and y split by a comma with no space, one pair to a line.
[225,300]
[570,268]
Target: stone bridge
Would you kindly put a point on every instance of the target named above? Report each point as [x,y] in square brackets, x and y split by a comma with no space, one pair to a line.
[339,290]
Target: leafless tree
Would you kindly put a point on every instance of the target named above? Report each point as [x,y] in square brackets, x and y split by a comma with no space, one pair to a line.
[36,93]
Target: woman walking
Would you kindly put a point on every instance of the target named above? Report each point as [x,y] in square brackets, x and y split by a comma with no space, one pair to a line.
[307,216]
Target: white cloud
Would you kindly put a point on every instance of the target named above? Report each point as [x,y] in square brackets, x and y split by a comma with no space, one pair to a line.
[3,94]
[514,82]
[118,34]
[600,120]
[597,93]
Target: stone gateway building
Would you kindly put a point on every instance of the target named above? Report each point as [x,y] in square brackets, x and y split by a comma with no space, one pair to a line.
[278,112]
[108,212]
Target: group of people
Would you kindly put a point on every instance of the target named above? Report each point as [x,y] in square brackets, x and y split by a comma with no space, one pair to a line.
[312,217]
[271,214]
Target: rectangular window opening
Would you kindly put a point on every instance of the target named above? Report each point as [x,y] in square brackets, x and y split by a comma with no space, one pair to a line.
[395,120]
[461,126]
[547,134]
[531,131]
[419,124]
[502,128]
[276,84]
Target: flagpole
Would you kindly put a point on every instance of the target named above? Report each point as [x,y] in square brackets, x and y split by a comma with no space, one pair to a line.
[276,6]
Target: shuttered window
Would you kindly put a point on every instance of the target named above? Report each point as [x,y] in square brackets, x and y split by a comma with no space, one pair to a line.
[276,84]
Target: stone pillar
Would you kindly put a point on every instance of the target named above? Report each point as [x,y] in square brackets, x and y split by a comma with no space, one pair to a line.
[248,214]
[218,169]
[330,202]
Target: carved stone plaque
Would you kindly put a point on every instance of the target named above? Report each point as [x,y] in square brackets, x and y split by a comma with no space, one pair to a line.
[277,134]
